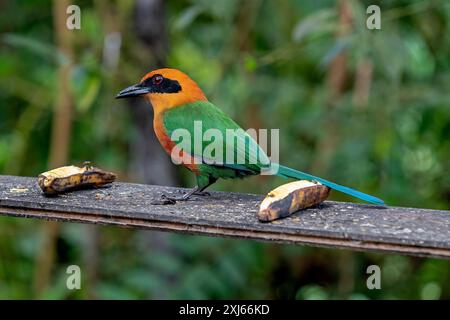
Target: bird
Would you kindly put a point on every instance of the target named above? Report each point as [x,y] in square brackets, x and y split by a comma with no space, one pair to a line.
[178,102]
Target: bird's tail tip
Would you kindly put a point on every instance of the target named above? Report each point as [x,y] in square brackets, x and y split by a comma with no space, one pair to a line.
[295,174]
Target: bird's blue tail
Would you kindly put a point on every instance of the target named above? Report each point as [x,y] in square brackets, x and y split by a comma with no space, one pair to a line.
[295,174]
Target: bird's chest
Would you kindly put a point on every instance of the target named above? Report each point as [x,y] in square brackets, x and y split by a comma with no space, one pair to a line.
[162,135]
[177,155]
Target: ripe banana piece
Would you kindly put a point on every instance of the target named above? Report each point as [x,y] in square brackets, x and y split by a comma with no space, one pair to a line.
[67,178]
[291,197]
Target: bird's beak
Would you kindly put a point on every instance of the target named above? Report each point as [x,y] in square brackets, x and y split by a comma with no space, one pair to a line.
[133,91]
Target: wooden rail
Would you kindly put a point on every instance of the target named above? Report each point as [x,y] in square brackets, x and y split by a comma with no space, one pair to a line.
[420,232]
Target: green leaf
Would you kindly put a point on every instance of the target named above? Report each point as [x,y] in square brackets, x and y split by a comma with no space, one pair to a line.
[38,47]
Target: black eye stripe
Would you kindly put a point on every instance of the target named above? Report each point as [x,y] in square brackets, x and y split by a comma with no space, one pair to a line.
[165,85]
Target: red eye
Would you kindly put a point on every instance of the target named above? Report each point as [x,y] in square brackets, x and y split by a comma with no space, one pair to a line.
[157,79]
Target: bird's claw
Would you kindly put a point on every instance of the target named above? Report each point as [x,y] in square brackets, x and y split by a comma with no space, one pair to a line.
[202,193]
[164,200]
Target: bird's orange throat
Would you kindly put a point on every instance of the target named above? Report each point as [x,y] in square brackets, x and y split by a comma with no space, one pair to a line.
[165,101]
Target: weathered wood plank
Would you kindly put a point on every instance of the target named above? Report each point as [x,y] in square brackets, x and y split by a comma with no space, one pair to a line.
[333,224]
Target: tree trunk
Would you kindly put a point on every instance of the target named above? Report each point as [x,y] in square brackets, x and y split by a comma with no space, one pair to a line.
[60,140]
[149,162]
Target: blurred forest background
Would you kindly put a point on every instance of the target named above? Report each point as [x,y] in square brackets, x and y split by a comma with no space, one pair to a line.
[366,108]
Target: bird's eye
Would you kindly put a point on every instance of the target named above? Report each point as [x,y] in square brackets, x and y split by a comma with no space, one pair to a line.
[157,79]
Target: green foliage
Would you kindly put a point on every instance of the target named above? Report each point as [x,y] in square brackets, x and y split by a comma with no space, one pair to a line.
[265,63]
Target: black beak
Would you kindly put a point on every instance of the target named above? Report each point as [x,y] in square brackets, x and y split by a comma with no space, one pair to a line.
[133,91]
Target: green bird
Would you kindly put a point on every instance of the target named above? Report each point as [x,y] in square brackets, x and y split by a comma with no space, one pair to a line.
[180,106]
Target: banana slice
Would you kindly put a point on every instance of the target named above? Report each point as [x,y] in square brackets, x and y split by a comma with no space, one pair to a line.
[67,178]
[291,197]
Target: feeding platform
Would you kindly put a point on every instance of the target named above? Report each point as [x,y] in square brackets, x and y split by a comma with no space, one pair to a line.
[411,231]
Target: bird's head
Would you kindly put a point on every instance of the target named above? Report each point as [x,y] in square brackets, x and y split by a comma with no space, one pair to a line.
[164,89]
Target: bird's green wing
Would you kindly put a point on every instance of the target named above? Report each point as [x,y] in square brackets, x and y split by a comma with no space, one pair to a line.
[206,132]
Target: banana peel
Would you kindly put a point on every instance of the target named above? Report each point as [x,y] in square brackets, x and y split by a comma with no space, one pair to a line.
[291,197]
[68,178]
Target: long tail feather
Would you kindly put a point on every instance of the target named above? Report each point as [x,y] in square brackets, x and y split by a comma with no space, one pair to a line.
[295,174]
